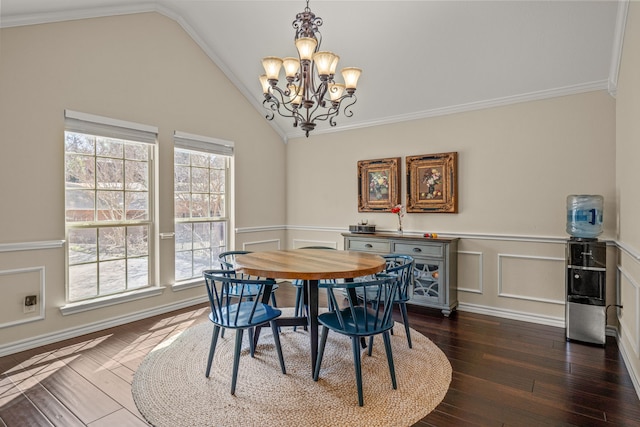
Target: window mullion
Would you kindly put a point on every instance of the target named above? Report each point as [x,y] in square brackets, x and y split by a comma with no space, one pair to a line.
[210,166]
[90,274]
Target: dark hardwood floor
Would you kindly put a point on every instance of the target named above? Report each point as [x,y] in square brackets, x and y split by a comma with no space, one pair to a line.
[505,373]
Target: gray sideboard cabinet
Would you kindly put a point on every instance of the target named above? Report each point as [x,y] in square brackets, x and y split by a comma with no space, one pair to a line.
[436,264]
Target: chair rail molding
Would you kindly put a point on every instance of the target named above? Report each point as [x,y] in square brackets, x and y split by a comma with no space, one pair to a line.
[629,250]
[241,230]
[31,246]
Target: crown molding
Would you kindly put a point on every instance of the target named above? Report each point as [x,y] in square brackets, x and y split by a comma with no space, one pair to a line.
[473,106]
[616,51]
[72,15]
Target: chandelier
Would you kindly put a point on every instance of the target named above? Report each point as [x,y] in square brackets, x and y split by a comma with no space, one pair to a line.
[311,94]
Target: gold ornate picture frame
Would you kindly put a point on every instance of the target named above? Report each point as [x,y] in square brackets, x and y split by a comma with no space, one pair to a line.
[432,183]
[378,184]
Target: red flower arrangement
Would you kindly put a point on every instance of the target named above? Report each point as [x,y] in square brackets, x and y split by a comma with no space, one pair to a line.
[397,209]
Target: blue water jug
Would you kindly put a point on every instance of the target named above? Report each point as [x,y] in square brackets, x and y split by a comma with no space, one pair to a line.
[584,215]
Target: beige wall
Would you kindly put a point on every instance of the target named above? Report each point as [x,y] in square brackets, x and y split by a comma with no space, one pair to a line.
[628,191]
[516,166]
[142,68]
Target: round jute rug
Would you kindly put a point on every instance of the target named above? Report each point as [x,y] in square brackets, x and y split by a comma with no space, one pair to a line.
[170,389]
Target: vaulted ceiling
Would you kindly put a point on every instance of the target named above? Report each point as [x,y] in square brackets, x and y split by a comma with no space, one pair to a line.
[420,58]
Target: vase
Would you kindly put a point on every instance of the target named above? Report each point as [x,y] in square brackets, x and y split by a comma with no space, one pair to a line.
[400,229]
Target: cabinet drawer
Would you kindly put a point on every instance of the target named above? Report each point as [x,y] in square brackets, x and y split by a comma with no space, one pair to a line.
[418,249]
[369,246]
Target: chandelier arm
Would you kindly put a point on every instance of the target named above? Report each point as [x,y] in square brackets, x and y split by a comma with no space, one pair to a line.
[271,105]
[330,114]
[282,102]
[347,109]
[308,115]
[320,93]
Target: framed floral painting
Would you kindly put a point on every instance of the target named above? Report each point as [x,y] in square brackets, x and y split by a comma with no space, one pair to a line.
[378,184]
[432,183]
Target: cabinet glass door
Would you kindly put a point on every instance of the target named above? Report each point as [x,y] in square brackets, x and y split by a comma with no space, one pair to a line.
[427,282]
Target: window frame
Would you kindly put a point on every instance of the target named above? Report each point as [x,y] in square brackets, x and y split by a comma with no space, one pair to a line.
[196,144]
[97,126]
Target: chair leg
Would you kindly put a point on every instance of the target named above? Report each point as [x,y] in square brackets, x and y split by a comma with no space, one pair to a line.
[212,348]
[323,341]
[330,306]
[252,344]
[405,320]
[387,346]
[358,368]
[236,359]
[370,351]
[274,302]
[276,339]
[298,307]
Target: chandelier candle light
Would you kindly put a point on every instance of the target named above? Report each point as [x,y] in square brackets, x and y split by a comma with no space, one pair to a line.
[311,93]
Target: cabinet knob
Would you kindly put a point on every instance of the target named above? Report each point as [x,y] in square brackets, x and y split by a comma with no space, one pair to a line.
[417,250]
[368,245]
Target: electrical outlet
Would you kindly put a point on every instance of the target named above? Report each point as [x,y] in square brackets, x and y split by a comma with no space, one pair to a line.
[30,303]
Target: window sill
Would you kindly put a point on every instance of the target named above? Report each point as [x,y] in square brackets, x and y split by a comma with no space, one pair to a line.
[79,307]
[199,282]
[188,284]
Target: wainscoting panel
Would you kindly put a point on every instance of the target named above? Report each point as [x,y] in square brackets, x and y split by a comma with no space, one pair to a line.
[515,273]
[262,245]
[303,243]
[470,278]
[629,317]
[18,284]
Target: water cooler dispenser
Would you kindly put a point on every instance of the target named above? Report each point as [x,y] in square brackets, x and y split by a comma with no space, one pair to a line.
[586,259]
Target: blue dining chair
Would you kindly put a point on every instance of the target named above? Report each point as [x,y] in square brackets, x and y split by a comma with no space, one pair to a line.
[239,313]
[360,319]
[402,267]
[228,262]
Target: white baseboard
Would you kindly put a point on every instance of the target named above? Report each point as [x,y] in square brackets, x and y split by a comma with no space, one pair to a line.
[625,352]
[33,342]
[512,314]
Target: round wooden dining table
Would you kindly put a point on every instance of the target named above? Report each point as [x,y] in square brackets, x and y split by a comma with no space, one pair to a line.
[311,266]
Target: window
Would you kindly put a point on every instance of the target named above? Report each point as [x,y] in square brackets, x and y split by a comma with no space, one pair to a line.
[108,205]
[201,186]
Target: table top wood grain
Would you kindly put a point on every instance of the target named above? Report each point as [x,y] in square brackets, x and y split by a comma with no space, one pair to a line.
[309,264]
